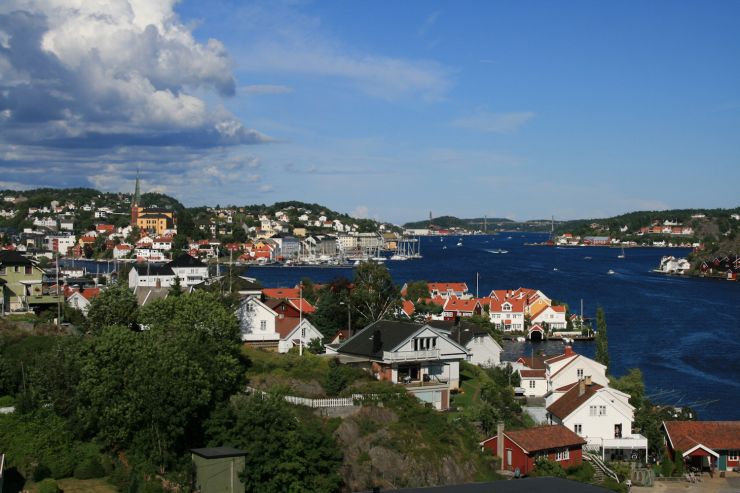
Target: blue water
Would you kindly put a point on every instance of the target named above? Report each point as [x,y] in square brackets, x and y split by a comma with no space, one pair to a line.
[683,333]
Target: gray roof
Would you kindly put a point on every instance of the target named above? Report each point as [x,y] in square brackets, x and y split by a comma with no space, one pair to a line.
[146,295]
[186,260]
[11,257]
[526,485]
[377,337]
[154,269]
[462,333]
[218,452]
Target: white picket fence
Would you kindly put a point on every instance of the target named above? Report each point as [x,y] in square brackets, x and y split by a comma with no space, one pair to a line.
[354,400]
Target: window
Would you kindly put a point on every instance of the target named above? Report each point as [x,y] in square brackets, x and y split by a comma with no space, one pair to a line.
[733,455]
[263,325]
[579,372]
[2,270]
[592,410]
[578,429]
[602,410]
[29,270]
[562,454]
[531,384]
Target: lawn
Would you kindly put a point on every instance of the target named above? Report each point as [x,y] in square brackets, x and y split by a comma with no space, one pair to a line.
[471,380]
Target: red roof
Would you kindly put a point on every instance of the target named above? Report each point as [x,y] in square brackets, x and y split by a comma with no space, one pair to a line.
[517,305]
[543,438]
[443,287]
[717,435]
[302,305]
[458,305]
[278,293]
[571,400]
[532,373]
[284,326]
[407,307]
[90,293]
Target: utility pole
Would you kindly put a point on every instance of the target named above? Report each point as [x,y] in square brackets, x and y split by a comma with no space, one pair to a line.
[300,317]
[59,306]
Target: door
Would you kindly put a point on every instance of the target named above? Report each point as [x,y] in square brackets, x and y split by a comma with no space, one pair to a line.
[508,457]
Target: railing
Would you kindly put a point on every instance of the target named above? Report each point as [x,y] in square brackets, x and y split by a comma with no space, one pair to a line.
[329,402]
[599,464]
[634,441]
[411,355]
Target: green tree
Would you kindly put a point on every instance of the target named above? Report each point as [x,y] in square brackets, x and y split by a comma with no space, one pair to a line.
[546,467]
[374,296]
[115,306]
[631,384]
[285,451]
[602,339]
[176,288]
[330,315]
[416,290]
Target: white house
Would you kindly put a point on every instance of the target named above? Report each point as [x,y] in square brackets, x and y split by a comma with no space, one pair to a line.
[553,316]
[163,243]
[265,325]
[534,382]
[81,299]
[602,416]
[483,350]
[189,269]
[571,367]
[507,314]
[423,359]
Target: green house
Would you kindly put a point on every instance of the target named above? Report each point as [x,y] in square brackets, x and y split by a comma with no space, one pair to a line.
[217,469]
[22,284]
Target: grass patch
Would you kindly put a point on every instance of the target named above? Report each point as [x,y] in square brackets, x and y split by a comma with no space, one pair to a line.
[306,367]
[72,485]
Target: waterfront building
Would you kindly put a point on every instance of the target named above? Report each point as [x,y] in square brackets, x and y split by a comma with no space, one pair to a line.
[603,417]
[704,444]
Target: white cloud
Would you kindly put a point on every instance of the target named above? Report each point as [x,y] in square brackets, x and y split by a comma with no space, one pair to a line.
[97,73]
[266,188]
[498,123]
[284,40]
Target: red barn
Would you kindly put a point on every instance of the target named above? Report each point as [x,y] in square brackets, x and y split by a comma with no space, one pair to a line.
[522,448]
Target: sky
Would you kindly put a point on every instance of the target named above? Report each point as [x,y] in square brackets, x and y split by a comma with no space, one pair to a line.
[387,110]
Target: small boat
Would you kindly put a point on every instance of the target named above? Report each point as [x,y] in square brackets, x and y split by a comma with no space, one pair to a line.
[567,340]
[508,237]
[520,339]
[441,239]
[498,251]
[444,247]
[621,255]
[610,272]
[459,243]
[586,258]
[554,268]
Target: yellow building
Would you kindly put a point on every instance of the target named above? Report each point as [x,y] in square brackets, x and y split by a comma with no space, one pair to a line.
[153,220]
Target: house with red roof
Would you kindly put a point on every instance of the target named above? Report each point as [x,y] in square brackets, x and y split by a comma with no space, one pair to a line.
[571,367]
[455,308]
[407,308]
[448,289]
[553,316]
[274,324]
[507,313]
[81,298]
[704,444]
[292,295]
[600,415]
[520,449]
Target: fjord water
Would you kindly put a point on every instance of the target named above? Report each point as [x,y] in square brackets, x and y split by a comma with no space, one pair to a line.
[683,333]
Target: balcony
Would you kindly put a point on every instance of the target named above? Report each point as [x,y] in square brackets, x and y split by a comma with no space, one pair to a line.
[631,442]
[393,357]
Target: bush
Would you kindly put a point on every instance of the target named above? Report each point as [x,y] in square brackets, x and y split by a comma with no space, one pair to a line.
[546,467]
[40,473]
[679,468]
[48,486]
[584,472]
[7,401]
[89,468]
[666,466]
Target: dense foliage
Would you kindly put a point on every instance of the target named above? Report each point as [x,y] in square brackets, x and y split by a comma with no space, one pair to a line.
[602,338]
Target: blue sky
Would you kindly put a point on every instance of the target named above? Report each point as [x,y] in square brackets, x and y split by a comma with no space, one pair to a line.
[380,109]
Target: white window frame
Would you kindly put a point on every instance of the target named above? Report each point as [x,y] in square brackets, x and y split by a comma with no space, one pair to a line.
[532,384]
[579,373]
[733,455]
[602,410]
[562,454]
[263,325]
[578,429]
[592,410]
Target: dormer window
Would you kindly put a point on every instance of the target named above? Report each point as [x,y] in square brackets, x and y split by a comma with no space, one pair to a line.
[506,307]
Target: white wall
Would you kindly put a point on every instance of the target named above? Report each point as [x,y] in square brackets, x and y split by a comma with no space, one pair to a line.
[602,427]
[569,375]
[484,351]
[540,387]
[251,313]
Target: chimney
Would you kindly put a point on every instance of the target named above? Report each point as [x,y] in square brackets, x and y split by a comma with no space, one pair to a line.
[569,351]
[587,379]
[581,387]
[500,443]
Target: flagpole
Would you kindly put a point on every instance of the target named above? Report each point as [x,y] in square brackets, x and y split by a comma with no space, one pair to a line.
[300,318]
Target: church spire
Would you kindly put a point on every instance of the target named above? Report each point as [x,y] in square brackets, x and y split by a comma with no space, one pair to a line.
[137,191]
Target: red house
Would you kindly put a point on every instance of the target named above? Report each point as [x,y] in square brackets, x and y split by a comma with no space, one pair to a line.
[704,444]
[520,449]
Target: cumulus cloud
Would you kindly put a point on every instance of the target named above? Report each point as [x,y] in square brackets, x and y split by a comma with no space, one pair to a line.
[497,123]
[75,73]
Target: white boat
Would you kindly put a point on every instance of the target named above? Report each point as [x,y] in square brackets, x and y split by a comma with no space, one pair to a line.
[399,257]
[498,251]
[610,272]
[567,340]
[586,258]
[444,247]
[554,268]
[621,255]
[520,339]
[459,243]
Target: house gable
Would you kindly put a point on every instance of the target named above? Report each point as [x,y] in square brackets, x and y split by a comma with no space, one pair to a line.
[446,346]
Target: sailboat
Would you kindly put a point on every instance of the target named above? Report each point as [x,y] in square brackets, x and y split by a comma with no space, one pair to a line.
[621,255]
